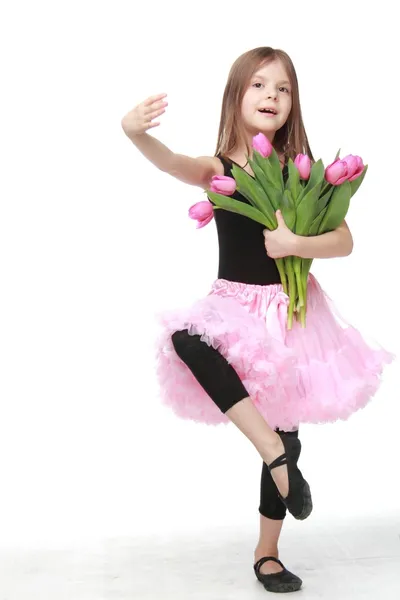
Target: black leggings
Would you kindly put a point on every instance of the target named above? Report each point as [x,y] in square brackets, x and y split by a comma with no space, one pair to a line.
[221,382]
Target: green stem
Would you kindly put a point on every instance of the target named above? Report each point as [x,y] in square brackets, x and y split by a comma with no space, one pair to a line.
[303,311]
[306,270]
[303,316]
[292,290]
[302,285]
[282,272]
[297,262]
[325,189]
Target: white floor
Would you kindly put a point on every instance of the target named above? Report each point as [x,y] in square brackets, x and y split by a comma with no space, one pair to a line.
[347,561]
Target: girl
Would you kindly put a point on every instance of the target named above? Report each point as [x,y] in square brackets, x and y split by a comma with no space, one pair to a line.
[229,358]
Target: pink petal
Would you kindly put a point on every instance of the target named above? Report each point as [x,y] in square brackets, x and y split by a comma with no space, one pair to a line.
[359,170]
[341,180]
[201,210]
[335,171]
[262,145]
[297,160]
[303,164]
[221,184]
[352,165]
[205,222]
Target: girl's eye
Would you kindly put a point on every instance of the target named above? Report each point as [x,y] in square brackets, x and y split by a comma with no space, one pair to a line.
[281,88]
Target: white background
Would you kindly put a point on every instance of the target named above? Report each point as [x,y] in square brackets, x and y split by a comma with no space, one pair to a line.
[94,240]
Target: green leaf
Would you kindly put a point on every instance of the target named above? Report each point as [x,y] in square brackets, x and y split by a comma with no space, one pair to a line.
[253,192]
[357,182]
[307,210]
[264,183]
[293,181]
[315,225]
[263,164]
[269,168]
[317,174]
[337,208]
[316,178]
[274,196]
[337,155]
[238,207]
[323,200]
[276,169]
[288,210]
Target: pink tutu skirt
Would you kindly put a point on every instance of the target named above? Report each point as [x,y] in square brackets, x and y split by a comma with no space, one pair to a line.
[320,373]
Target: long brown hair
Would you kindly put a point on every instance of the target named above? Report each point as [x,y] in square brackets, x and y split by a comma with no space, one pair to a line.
[291,138]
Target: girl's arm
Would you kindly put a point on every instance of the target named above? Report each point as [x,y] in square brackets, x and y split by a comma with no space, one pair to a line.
[194,171]
[327,245]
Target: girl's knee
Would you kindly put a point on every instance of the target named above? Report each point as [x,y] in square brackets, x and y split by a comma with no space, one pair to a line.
[180,340]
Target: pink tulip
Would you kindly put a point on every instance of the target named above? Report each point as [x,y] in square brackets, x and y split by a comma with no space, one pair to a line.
[221,184]
[337,172]
[262,145]
[345,169]
[202,212]
[303,164]
[355,166]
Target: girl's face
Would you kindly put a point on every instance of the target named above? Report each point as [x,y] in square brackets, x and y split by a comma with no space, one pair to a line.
[269,88]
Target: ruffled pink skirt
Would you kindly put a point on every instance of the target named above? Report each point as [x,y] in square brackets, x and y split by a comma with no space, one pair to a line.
[320,373]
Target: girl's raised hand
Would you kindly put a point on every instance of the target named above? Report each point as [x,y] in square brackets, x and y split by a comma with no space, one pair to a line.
[140,118]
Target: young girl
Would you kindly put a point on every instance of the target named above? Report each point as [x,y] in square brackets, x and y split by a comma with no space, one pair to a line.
[229,358]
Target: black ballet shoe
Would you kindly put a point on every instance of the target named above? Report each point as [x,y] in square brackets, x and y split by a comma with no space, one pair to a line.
[282,582]
[298,501]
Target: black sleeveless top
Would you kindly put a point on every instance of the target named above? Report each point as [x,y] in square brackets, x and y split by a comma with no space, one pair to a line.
[242,253]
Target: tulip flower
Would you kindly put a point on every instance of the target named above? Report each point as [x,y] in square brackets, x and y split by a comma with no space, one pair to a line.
[345,169]
[262,145]
[202,212]
[337,172]
[303,164]
[355,166]
[221,184]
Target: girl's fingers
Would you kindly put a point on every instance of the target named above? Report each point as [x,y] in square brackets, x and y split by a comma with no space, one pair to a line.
[150,118]
[153,99]
[151,109]
[150,124]
[154,114]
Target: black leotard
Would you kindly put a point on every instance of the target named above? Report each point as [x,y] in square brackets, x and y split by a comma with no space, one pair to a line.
[242,253]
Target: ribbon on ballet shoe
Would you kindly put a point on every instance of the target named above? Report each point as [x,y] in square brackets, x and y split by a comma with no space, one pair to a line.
[276,318]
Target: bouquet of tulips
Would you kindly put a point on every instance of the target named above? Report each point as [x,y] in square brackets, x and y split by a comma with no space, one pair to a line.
[313,201]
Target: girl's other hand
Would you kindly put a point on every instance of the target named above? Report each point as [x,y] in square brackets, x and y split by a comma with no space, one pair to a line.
[140,118]
[281,241]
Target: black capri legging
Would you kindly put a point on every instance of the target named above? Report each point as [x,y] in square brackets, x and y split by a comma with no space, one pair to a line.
[224,386]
